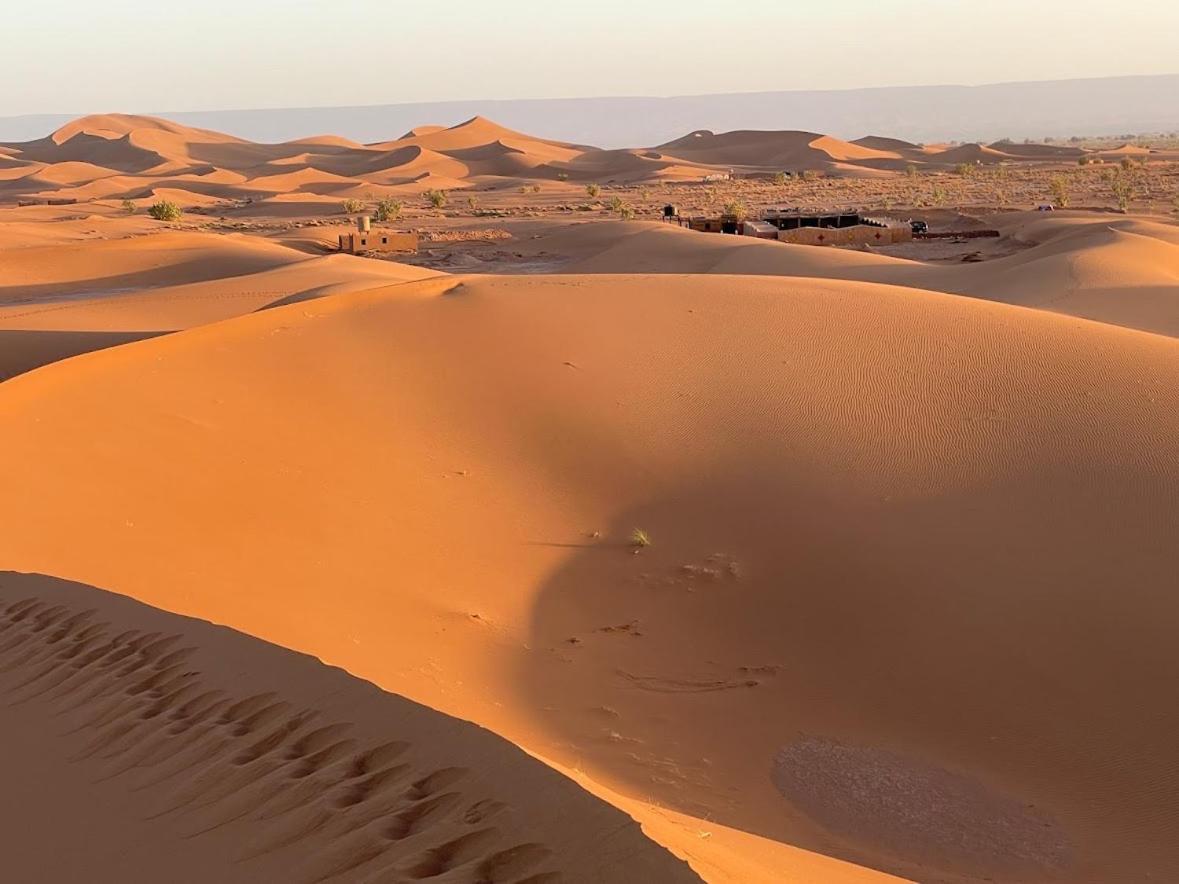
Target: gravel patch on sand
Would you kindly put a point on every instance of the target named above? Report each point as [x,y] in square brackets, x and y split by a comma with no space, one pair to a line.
[918,811]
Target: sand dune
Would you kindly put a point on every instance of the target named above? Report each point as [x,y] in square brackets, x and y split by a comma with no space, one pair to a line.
[1126,150]
[1038,151]
[882,143]
[329,141]
[119,125]
[94,295]
[89,158]
[647,247]
[169,257]
[1122,271]
[52,225]
[862,543]
[781,150]
[477,132]
[71,173]
[23,349]
[216,757]
[903,604]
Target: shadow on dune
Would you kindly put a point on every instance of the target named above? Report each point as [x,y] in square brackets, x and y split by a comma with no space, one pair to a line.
[172,749]
[140,281]
[24,350]
[1004,654]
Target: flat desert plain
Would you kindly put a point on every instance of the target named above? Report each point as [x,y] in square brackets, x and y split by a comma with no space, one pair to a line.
[578,546]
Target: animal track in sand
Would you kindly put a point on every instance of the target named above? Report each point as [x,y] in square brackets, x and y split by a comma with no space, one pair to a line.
[667,685]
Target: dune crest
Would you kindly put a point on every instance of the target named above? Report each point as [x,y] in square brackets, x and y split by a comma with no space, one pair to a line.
[246,762]
[471,154]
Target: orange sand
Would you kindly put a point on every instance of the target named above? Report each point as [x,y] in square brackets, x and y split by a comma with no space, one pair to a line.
[906,608]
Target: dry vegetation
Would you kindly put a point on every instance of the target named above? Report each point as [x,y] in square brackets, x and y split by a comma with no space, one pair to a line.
[1147,187]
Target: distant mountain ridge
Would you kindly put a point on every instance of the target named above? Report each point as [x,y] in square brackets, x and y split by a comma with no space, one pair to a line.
[1099,106]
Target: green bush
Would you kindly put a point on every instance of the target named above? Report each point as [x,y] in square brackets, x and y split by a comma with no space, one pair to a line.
[165,210]
[437,198]
[128,207]
[352,206]
[593,190]
[388,209]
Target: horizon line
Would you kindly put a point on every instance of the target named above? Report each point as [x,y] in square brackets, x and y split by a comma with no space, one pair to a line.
[459,101]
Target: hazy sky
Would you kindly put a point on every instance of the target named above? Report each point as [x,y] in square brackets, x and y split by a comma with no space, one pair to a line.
[132,55]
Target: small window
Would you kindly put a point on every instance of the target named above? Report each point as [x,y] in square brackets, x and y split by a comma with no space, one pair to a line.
[384,240]
[364,242]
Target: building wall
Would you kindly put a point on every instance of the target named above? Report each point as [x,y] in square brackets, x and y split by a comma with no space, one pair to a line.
[846,236]
[706,225]
[378,241]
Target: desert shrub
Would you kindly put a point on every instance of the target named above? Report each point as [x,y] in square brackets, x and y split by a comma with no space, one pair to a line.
[352,206]
[626,213]
[616,204]
[1127,163]
[639,538]
[472,202]
[593,191]
[128,207]
[737,209]
[964,170]
[437,198]
[165,210]
[937,196]
[1060,190]
[779,178]
[388,209]
[911,170]
[1123,191]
